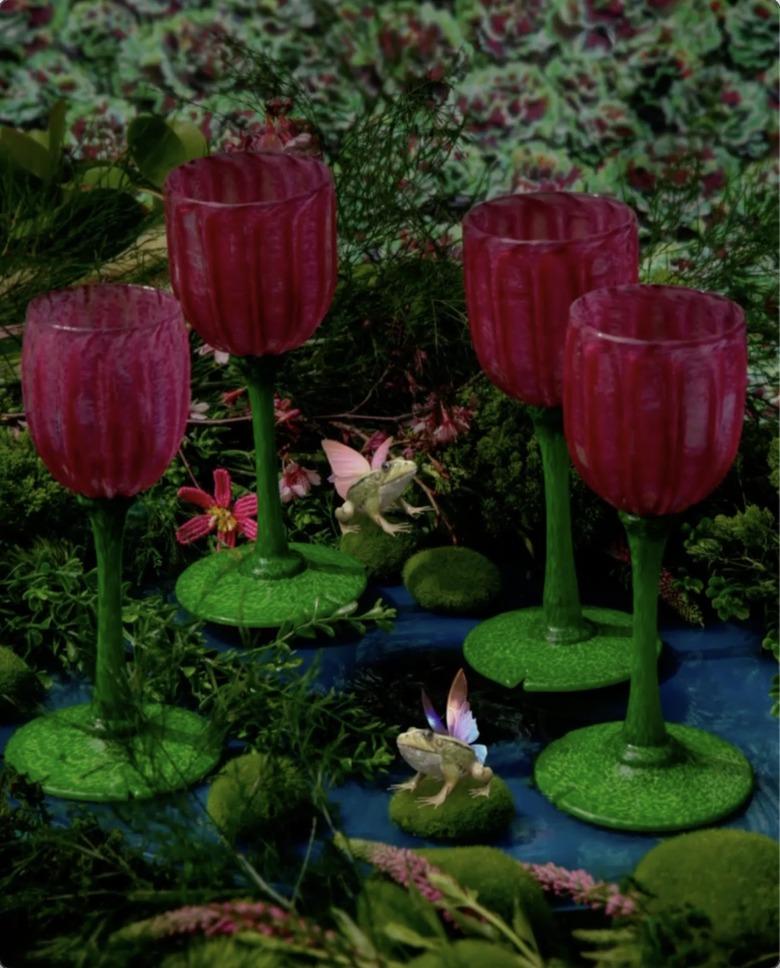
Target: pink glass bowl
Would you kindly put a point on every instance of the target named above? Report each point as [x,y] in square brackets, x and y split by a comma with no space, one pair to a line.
[252,248]
[654,398]
[106,385]
[526,259]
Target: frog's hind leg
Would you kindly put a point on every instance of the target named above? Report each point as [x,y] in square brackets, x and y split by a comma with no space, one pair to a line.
[410,785]
[344,514]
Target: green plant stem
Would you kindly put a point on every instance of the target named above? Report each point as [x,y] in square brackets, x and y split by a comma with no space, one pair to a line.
[563,616]
[111,689]
[272,557]
[644,725]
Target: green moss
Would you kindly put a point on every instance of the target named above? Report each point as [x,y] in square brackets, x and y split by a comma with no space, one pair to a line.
[254,791]
[499,881]
[468,953]
[460,818]
[18,684]
[729,875]
[382,555]
[453,580]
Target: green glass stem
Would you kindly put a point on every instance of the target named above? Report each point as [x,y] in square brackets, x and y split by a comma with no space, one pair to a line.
[563,616]
[644,732]
[272,557]
[111,692]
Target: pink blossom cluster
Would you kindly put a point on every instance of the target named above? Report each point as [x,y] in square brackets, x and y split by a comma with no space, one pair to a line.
[279,132]
[296,481]
[231,917]
[583,888]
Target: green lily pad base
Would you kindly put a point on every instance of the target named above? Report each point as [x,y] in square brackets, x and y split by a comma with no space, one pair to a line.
[217,589]
[512,649]
[583,774]
[66,753]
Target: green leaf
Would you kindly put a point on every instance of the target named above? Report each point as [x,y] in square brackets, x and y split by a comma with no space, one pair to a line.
[399,932]
[56,131]
[191,137]
[105,176]
[25,152]
[155,147]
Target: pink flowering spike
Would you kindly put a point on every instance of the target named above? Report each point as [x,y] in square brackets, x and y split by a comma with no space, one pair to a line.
[245,506]
[194,495]
[347,464]
[380,454]
[248,528]
[460,721]
[223,491]
[195,528]
[434,720]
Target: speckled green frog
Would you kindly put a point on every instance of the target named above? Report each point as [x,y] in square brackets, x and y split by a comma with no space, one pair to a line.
[449,754]
[369,489]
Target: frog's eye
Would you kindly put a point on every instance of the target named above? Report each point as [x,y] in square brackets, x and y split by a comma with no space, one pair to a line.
[386,465]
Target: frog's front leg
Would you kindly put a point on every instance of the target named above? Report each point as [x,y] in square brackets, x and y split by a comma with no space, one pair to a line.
[411,510]
[374,512]
[451,775]
[483,774]
[410,785]
[345,514]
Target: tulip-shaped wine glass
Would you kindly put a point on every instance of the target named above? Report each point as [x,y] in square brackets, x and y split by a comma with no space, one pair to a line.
[654,396]
[105,379]
[526,259]
[252,250]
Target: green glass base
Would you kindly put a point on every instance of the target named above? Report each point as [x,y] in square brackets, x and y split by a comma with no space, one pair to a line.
[512,649]
[217,589]
[66,754]
[585,774]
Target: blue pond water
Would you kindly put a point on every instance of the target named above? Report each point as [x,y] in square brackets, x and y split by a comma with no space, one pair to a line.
[714,678]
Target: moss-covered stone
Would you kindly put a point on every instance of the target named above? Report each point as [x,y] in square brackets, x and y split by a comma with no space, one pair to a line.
[499,881]
[460,818]
[254,791]
[453,580]
[730,875]
[382,555]
[468,953]
[18,685]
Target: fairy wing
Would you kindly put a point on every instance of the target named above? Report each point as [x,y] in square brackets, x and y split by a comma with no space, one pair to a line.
[480,751]
[460,720]
[347,465]
[380,454]
[434,720]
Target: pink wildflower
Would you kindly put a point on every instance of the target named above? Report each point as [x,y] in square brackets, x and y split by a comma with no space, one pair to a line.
[220,356]
[286,413]
[198,410]
[221,513]
[583,888]
[441,424]
[674,597]
[296,481]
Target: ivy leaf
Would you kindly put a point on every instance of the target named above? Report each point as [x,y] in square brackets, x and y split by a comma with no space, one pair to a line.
[25,152]
[155,147]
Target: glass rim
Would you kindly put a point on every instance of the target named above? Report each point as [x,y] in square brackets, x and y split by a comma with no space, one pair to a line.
[580,322]
[326,179]
[630,219]
[173,308]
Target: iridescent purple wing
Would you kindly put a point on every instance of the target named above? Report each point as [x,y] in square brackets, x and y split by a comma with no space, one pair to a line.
[480,752]
[434,720]
[460,720]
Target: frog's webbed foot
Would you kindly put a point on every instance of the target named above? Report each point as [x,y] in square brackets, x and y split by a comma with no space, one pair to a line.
[349,528]
[410,785]
[438,799]
[413,511]
[389,528]
[483,791]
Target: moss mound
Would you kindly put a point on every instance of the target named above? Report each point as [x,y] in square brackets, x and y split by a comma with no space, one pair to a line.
[730,875]
[253,791]
[452,580]
[382,555]
[18,684]
[499,881]
[468,953]
[460,818]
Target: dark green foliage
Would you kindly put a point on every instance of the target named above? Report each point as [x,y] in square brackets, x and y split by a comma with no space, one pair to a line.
[18,684]
[461,818]
[740,555]
[499,880]
[225,953]
[383,555]
[729,875]
[467,953]
[257,795]
[31,501]
[453,580]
